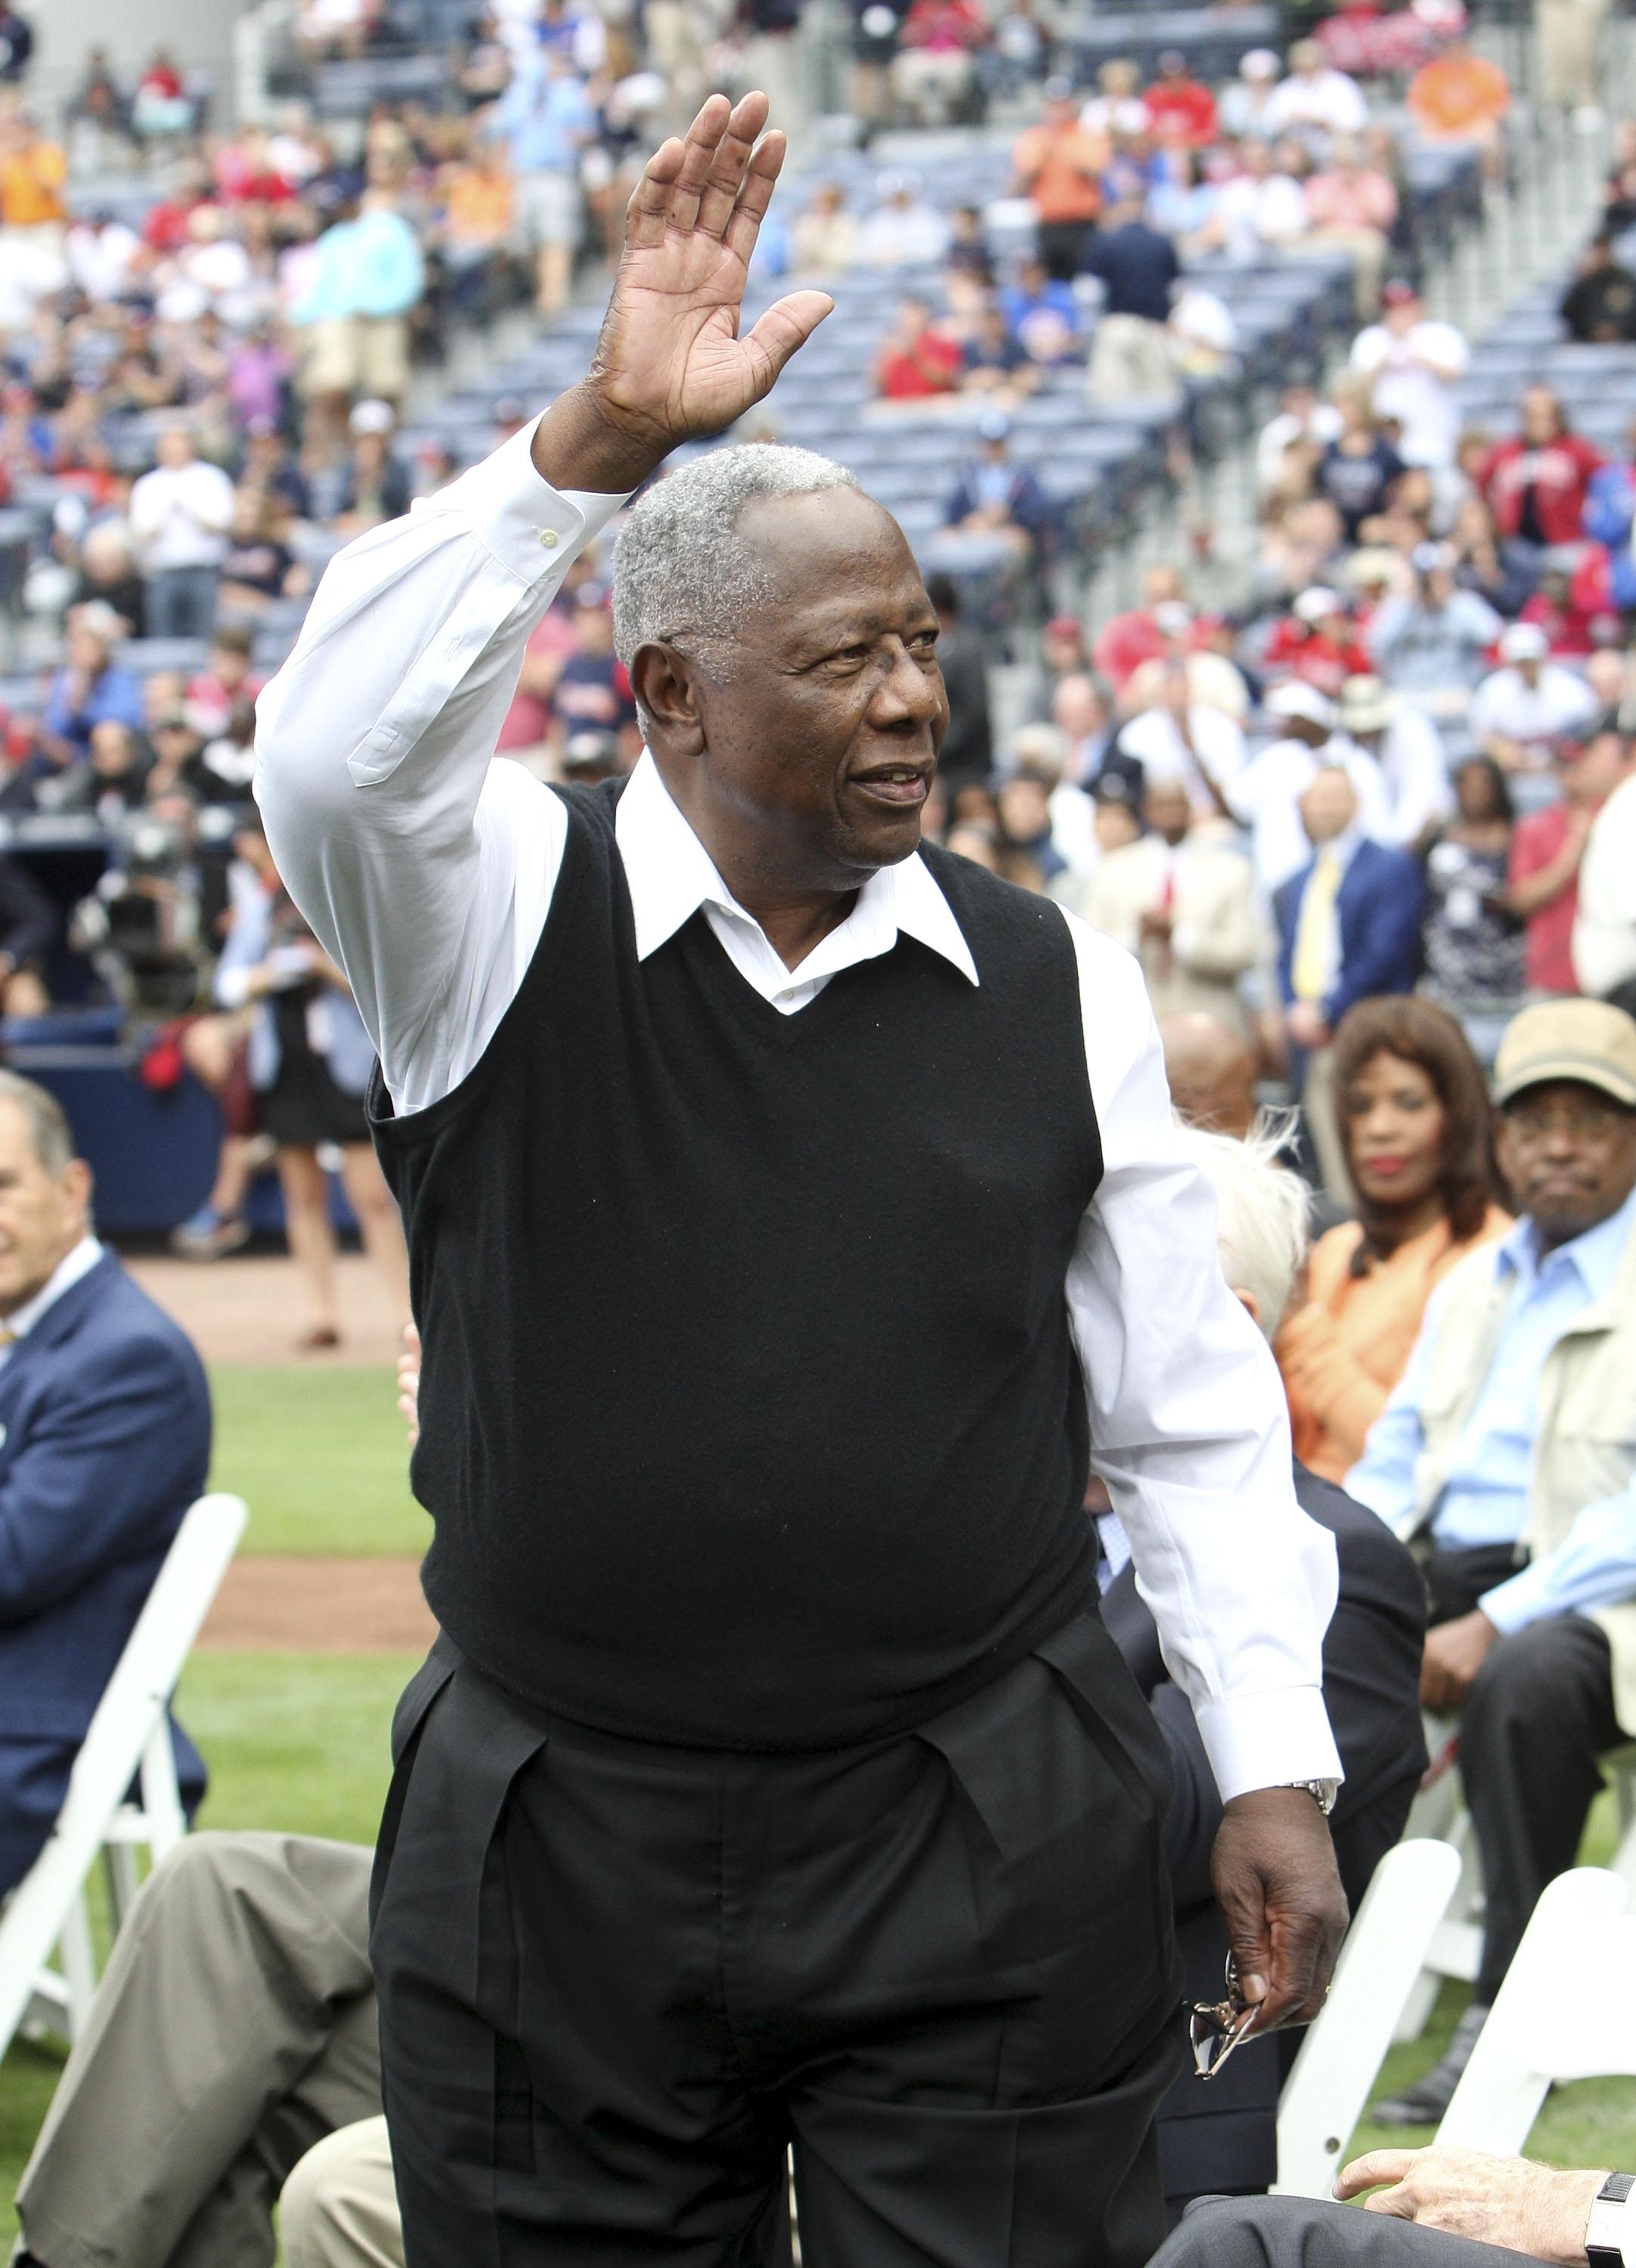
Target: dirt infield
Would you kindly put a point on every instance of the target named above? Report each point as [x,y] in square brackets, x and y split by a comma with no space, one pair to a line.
[319,1606]
[254,1309]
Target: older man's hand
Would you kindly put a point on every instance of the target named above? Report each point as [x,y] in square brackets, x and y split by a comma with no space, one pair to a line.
[1454,1652]
[1504,2201]
[1273,1867]
[669,365]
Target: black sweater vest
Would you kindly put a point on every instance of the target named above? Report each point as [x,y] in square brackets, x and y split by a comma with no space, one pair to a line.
[751,1416]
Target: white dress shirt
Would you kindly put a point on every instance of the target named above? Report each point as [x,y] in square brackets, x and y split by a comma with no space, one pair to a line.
[1604,926]
[64,1277]
[427,867]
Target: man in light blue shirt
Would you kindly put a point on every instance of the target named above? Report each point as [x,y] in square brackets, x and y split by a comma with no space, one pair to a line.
[1508,1451]
[547,119]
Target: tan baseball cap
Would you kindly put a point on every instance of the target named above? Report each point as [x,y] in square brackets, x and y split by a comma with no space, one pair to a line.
[1591,1041]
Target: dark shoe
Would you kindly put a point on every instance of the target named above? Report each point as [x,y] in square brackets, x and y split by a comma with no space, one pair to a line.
[1424,2103]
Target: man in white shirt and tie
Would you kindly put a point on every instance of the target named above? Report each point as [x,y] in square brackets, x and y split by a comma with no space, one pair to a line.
[789,1208]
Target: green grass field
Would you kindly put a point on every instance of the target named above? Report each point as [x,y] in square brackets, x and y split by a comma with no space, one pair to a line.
[299,1741]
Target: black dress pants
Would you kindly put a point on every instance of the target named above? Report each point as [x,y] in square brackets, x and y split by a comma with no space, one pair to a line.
[1538,1715]
[1292,2232]
[617,1981]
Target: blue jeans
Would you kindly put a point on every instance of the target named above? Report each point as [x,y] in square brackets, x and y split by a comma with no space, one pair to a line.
[180,603]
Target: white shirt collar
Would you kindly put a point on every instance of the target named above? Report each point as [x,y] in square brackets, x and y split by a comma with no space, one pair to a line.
[64,1277]
[671,875]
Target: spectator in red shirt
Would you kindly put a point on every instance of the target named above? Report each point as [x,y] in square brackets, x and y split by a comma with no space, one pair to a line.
[1316,641]
[1179,107]
[916,360]
[1127,641]
[1546,848]
[934,70]
[1573,608]
[1536,482]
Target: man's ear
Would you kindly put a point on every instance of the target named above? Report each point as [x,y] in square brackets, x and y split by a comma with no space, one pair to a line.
[666,685]
[1249,1303]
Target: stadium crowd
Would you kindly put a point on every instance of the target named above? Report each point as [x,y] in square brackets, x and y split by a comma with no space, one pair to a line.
[1367,818]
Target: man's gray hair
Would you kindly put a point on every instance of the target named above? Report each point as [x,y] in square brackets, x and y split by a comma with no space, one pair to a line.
[50,1136]
[682,571]
[1262,1212]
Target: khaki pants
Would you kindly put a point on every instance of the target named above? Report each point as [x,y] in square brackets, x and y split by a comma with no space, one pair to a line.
[1130,360]
[235,2028]
[932,88]
[1368,249]
[340,2206]
[1570,33]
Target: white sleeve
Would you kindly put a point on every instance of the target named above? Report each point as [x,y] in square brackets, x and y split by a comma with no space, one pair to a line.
[1188,1425]
[425,864]
[1604,926]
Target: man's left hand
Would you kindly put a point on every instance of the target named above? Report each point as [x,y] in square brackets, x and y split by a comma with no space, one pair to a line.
[1505,2201]
[1276,1882]
[1454,1652]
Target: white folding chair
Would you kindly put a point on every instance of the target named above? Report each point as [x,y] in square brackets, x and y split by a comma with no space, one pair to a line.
[1342,2054]
[1564,2012]
[129,1739]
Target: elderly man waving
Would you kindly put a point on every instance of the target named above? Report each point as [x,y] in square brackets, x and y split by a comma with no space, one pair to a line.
[790,1209]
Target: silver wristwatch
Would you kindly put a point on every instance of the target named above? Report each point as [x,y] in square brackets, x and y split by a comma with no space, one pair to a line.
[1603,2233]
[1323,1792]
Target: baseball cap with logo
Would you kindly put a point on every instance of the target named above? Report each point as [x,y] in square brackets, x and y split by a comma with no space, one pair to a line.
[1589,1041]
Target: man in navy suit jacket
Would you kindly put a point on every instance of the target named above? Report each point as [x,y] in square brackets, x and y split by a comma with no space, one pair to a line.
[1367,940]
[104,1439]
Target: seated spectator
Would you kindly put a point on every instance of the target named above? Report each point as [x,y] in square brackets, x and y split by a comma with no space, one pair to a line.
[1303,422]
[916,360]
[479,222]
[1501,573]
[1187,740]
[1316,641]
[33,173]
[1360,467]
[903,229]
[1180,107]
[1496,1446]
[996,497]
[106,571]
[1403,744]
[1413,364]
[90,686]
[1262,210]
[1082,713]
[824,238]
[1547,848]
[592,688]
[1610,511]
[1604,925]
[1187,203]
[180,515]
[107,1440]
[1211,1069]
[1203,337]
[993,360]
[1433,643]
[1241,108]
[1043,314]
[1522,709]
[1181,899]
[113,782]
[1354,207]
[258,566]
[968,252]
[1535,483]
[1138,268]
[1041,753]
[1571,605]
[1462,97]
[1412,1106]
[1599,306]
[934,71]
[1473,940]
[1125,641]
[1349,928]
[1117,106]
[1057,166]
[1315,102]
[1265,797]
[375,484]
[1027,856]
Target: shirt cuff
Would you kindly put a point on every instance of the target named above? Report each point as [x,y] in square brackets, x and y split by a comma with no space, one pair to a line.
[1511,1605]
[533,529]
[1268,1740]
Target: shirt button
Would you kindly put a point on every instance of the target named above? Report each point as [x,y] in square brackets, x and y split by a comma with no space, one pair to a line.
[548,536]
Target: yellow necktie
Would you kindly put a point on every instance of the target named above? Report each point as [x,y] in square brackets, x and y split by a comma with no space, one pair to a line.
[1311,965]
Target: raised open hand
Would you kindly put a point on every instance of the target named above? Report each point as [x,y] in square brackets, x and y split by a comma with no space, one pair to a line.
[669,365]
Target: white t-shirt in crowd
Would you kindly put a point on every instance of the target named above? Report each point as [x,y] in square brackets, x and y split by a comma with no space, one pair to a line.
[180,515]
[1405,388]
[1604,927]
[1506,703]
[1254,214]
[1217,747]
[1329,101]
[1267,798]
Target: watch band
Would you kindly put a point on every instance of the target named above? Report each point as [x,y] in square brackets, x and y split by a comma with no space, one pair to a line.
[1603,2248]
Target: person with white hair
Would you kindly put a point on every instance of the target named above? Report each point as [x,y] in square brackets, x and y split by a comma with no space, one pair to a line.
[792,1204]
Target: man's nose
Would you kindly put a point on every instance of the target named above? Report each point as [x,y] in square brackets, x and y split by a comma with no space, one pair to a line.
[909,692]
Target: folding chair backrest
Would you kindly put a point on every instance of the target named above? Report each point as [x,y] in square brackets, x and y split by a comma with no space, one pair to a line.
[1343,2050]
[123,1740]
[1566,2010]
